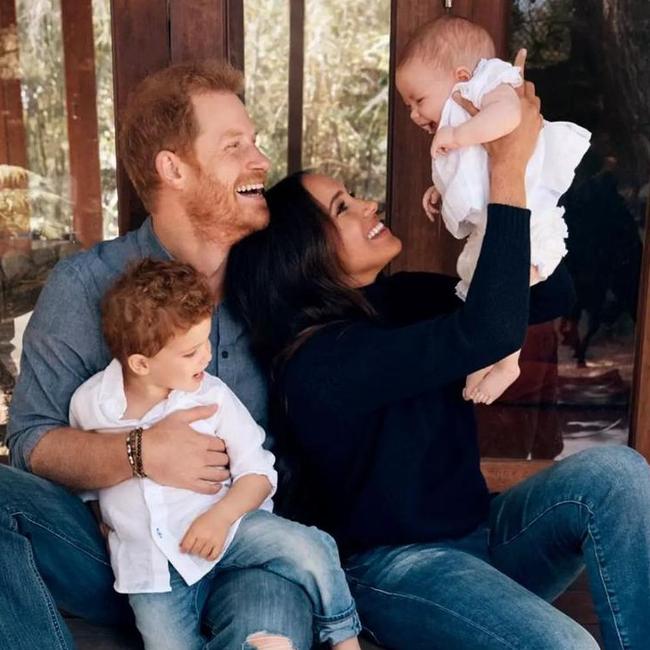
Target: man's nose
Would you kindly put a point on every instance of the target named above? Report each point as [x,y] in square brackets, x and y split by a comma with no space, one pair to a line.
[260,161]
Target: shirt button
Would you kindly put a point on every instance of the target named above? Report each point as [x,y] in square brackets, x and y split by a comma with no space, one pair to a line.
[224,354]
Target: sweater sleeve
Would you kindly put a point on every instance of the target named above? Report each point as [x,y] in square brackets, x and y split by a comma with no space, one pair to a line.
[363,366]
[416,296]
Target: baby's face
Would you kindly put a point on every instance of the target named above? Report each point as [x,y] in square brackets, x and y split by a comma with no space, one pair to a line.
[424,88]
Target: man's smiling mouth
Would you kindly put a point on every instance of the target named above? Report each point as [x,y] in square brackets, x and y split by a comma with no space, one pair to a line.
[251,189]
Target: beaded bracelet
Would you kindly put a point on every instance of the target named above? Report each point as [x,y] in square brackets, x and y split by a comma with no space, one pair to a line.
[134,452]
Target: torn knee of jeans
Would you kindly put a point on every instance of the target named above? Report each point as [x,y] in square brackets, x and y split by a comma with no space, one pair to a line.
[266,641]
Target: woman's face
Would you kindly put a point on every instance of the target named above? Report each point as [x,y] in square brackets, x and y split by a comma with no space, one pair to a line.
[364,244]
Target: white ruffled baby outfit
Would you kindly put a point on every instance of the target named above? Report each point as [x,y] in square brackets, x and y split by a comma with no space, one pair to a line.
[461,177]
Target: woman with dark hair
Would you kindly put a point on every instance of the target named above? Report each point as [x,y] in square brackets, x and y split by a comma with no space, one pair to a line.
[367,376]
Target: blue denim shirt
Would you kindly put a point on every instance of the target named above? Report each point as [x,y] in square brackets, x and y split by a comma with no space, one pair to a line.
[63,343]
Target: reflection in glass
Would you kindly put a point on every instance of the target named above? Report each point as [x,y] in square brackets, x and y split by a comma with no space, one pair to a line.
[266,62]
[36,188]
[577,373]
[346,92]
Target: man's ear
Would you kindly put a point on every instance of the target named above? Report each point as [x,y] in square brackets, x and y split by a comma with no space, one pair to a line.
[170,168]
[462,74]
[138,364]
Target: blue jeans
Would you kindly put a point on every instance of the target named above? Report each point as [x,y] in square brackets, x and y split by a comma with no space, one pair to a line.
[492,589]
[52,556]
[303,555]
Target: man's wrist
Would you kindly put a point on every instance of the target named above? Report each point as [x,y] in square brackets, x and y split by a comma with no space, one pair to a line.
[134,452]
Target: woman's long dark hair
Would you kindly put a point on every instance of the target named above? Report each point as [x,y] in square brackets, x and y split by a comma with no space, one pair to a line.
[286,281]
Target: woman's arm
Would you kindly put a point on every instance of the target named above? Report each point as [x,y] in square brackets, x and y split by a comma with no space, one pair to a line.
[364,365]
[414,296]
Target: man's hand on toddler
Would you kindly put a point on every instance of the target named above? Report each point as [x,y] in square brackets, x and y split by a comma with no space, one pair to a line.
[444,141]
[431,203]
[207,534]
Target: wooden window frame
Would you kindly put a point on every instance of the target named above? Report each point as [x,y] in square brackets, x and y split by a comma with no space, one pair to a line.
[150,34]
[430,247]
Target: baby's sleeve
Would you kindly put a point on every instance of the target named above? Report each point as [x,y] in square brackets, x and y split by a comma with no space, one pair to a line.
[244,439]
[489,74]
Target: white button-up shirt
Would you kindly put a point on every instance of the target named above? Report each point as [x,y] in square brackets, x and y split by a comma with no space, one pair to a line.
[149,520]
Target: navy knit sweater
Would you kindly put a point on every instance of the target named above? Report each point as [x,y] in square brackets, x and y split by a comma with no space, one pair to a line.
[387,446]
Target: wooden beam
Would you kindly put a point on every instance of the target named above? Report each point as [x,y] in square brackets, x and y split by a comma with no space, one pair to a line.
[81,105]
[296,81]
[151,34]
[140,47]
[13,149]
[235,27]
[501,473]
[205,29]
[427,246]
[640,420]
[196,30]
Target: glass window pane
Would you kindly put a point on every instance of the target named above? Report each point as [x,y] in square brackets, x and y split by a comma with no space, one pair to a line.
[345,122]
[43,205]
[576,379]
[266,62]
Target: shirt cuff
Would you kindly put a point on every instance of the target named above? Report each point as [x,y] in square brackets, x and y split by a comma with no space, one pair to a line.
[22,444]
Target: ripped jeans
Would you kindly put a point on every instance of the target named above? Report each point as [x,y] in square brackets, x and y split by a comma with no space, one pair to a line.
[303,555]
[53,556]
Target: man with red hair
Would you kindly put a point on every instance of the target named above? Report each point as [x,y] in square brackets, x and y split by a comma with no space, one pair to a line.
[189,147]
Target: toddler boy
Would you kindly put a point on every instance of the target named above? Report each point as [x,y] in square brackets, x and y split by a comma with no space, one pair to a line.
[167,544]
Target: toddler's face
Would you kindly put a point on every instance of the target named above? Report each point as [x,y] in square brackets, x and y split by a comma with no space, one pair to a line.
[424,88]
[180,364]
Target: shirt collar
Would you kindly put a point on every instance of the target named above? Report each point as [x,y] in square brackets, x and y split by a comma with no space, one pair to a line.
[149,244]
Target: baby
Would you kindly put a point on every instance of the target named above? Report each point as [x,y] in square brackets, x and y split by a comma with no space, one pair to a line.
[167,544]
[450,55]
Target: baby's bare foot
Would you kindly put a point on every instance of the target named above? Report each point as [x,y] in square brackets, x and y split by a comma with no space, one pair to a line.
[473,381]
[495,383]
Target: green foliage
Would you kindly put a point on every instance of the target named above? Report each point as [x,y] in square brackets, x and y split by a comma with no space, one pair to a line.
[40,55]
[345,87]
[543,28]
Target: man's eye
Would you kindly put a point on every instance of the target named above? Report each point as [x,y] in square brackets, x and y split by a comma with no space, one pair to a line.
[233,145]
[419,101]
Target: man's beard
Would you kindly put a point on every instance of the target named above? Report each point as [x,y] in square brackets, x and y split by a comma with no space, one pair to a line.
[215,213]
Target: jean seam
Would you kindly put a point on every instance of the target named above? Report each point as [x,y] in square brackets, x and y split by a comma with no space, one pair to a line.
[592,532]
[412,597]
[45,594]
[66,539]
[602,573]
[519,533]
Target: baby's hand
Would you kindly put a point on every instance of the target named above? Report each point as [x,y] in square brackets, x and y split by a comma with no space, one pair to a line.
[431,203]
[206,535]
[443,141]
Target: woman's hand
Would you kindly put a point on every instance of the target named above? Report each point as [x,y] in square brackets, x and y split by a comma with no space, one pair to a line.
[510,154]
